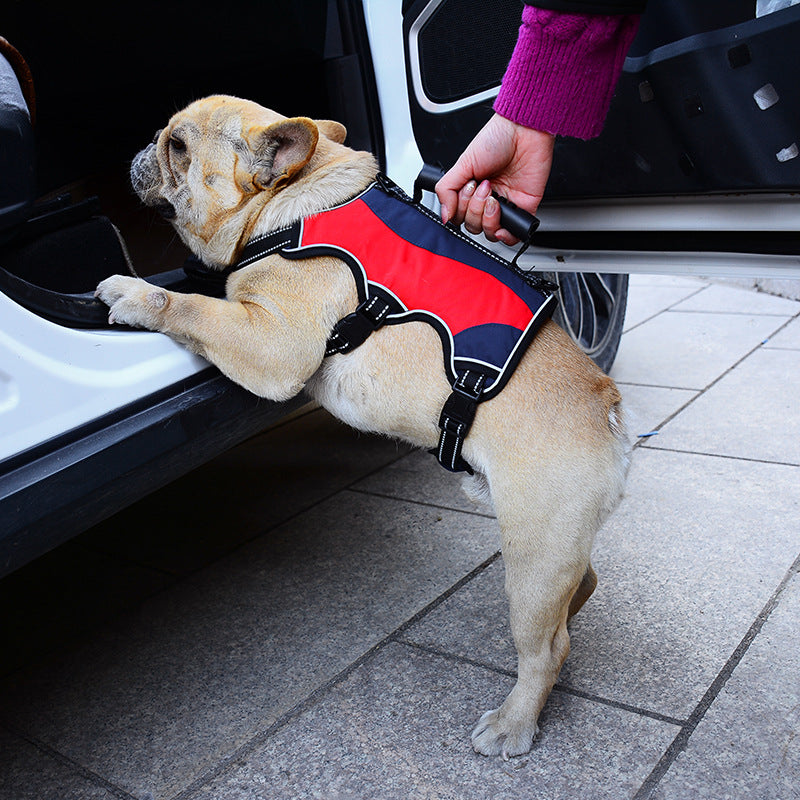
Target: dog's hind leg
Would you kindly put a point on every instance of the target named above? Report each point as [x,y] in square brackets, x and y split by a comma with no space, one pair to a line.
[583,592]
[541,578]
[548,520]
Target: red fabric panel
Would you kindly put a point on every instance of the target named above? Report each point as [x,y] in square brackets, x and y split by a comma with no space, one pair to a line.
[460,295]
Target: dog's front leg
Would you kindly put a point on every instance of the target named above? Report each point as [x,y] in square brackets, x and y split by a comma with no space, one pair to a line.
[251,344]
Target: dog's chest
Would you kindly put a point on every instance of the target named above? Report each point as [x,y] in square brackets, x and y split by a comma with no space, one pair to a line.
[392,384]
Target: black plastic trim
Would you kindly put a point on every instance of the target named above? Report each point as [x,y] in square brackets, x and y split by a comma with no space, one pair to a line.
[61,488]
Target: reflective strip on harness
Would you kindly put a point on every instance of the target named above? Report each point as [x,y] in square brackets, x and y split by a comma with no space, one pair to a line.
[456,420]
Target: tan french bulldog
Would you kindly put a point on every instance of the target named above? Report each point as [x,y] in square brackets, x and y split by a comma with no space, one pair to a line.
[550,450]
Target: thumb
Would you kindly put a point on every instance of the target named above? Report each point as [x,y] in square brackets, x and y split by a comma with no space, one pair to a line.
[450,184]
[447,192]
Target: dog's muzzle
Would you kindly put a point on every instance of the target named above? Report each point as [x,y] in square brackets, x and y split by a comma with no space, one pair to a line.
[166,209]
[146,181]
[142,170]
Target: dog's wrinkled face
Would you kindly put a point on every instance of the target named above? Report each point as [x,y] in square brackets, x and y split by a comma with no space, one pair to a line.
[214,166]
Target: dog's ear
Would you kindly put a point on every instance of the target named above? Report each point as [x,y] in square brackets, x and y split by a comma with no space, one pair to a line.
[334,131]
[282,150]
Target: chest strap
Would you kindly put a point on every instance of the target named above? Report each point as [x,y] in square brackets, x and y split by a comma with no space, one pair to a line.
[459,409]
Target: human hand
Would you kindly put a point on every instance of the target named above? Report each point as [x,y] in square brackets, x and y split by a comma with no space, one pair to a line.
[508,158]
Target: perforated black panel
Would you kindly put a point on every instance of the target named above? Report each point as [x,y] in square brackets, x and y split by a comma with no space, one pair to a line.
[465,46]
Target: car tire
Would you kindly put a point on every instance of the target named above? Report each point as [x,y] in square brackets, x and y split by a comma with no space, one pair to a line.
[592,311]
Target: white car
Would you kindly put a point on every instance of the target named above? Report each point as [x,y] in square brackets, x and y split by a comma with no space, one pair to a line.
[697,171]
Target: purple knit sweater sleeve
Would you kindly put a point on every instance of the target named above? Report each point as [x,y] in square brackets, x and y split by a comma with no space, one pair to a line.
[563,71]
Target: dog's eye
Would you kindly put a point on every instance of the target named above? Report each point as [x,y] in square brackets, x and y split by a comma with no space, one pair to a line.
[177,143]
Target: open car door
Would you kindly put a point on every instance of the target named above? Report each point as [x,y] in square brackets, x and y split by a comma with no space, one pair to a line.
[696,171]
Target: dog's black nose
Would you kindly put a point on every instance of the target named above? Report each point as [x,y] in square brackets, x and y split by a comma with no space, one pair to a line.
[167,210]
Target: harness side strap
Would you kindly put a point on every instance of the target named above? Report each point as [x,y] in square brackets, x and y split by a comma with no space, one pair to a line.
[354,329]
[456,419]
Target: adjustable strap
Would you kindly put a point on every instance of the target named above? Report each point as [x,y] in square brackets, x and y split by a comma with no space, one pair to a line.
[267,244]
[456,419]
[354,329]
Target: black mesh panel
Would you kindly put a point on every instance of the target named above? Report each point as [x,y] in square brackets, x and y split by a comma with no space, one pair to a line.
[465,46]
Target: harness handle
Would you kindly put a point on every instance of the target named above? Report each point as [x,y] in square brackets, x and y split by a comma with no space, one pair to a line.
[513,218]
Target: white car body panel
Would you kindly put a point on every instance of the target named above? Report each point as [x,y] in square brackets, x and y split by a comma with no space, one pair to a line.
[384,22]
[54,378]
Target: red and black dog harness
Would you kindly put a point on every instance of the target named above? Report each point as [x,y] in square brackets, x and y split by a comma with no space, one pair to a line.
[408,266]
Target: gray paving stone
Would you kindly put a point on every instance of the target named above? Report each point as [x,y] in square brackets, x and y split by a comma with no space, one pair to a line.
[730,419]
[399,726]
[54,600]
[780,287]
[685,564]
[27,773]
[646,299]
[251,488]
[689,350]
[732,299]
[164,693]
[419,477]
[747,745]
[786,339]
[647,407]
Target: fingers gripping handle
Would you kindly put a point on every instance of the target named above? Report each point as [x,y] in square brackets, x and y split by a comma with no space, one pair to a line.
[516,220]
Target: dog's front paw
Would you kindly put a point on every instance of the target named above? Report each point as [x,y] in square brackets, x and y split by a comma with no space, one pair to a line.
[496,735]
[132,301]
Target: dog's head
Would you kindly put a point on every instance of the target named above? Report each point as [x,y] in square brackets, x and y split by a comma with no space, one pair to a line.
[215,167]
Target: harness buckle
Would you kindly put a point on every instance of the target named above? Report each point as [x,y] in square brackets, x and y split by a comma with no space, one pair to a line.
[354,329]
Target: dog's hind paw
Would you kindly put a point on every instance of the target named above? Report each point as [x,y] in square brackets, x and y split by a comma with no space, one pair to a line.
[497,736]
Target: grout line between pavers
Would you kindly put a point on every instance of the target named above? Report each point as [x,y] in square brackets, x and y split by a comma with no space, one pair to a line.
[681,741]
[559,687]
[66,761]
[310,699]
[641,385]
[182,577]
[420,503]
[436,602]
[260,738]
[642,712]
[665,309]
[747,459]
